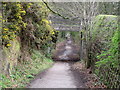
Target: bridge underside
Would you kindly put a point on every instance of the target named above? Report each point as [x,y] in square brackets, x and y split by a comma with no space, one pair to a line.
[61,24]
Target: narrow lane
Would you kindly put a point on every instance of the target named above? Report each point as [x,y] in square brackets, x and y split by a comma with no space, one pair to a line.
[61,74]
[58,76]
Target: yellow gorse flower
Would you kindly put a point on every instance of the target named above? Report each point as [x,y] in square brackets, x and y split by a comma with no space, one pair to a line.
[53,32]
[18,5]
[46,21]
[8,44]
[6,29]
[29,5]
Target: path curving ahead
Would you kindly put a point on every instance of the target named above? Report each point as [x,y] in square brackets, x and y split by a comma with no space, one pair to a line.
[58,76]
[61,75]
[67,51]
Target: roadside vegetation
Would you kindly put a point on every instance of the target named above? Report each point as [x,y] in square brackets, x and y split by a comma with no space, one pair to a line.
[27,40]
[26,71]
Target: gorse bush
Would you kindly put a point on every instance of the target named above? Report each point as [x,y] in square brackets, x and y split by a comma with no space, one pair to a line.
[28,21]
[26,32]
[12,21]
[26,24]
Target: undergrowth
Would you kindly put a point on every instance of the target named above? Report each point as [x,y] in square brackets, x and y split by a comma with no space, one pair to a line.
[104,49]
[24,72]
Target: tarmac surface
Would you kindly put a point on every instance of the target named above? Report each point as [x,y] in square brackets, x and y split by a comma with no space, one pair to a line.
[60,75]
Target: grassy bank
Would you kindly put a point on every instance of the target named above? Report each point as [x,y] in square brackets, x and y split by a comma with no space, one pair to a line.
[24,72]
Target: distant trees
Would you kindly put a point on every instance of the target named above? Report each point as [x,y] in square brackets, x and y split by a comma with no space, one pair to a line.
[85,13]
[103,50]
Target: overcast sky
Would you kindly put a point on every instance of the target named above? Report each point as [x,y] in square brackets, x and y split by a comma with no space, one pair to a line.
[60,0]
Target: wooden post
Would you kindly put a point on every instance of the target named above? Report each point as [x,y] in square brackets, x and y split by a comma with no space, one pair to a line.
[81,42]
[81,46]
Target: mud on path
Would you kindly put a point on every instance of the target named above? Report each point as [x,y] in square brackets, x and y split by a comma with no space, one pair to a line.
[60,75]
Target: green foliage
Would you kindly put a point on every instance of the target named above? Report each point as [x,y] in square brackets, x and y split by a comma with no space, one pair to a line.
[44,33]
[6,81]
[23,73]
[111,56]
[104,25]
[25,27]
[105,48]
[74,35]
[30,76]
[105,30]
[11,59]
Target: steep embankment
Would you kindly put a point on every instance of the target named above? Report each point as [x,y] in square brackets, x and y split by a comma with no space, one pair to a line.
[26,39]
[21,74]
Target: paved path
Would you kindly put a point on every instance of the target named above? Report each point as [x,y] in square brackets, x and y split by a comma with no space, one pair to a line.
[67,50]
[59,76]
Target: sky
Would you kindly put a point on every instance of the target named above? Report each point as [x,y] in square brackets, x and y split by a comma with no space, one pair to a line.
[60,0]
